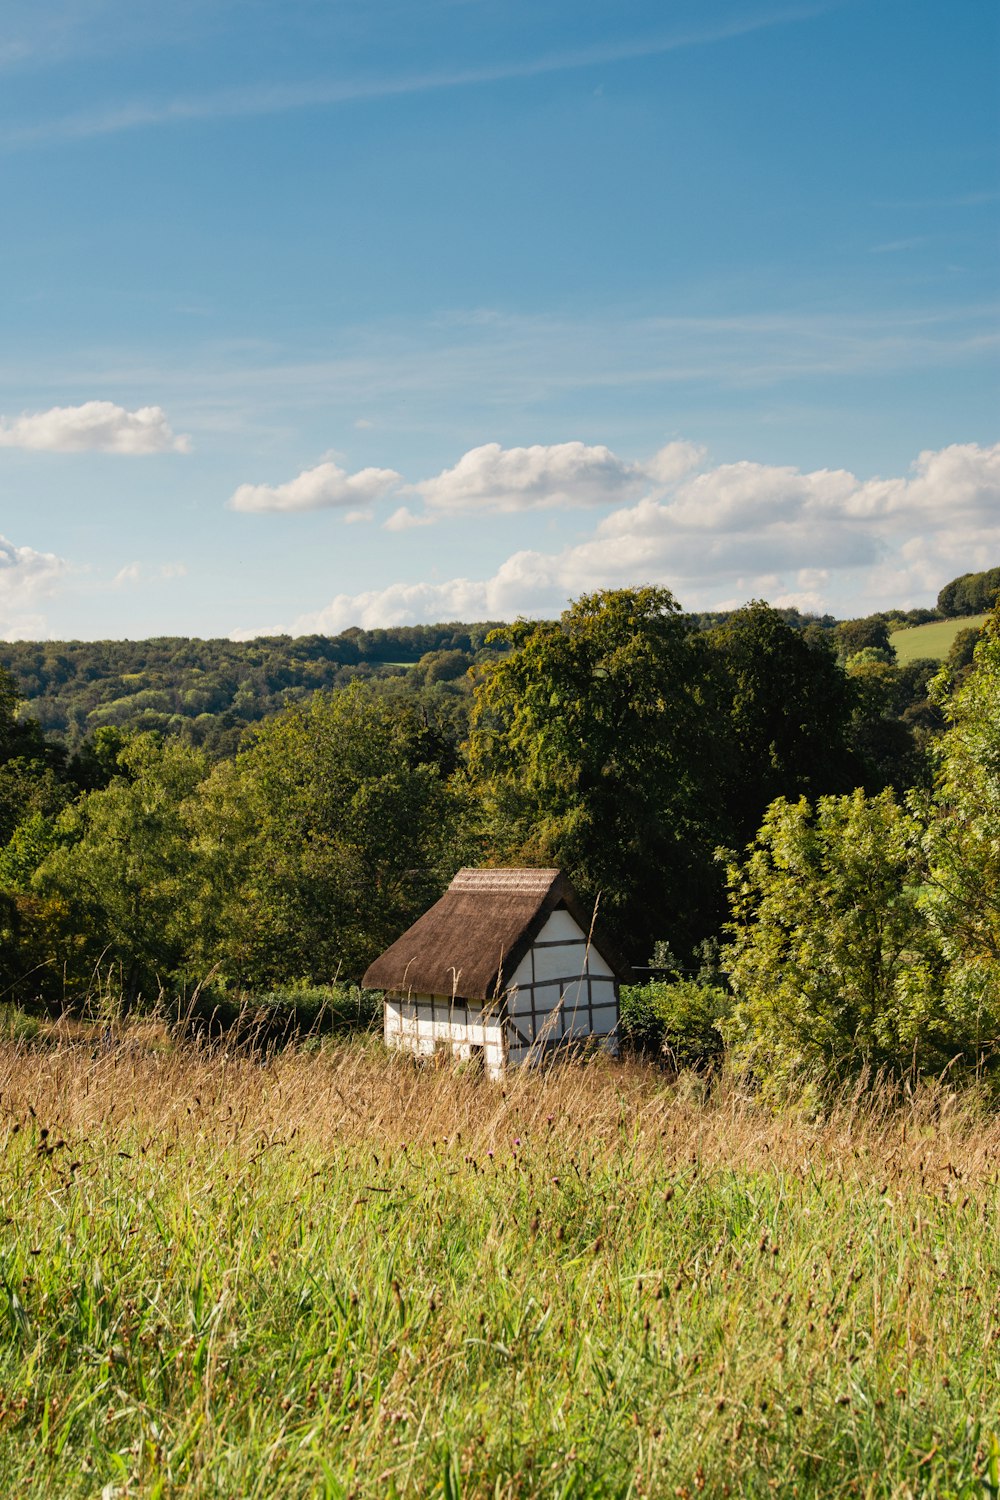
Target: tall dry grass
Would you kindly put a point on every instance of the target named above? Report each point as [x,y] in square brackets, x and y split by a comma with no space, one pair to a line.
[358,1095]
[332,1273]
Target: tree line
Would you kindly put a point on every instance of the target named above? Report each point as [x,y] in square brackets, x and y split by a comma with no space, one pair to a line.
[207,692]
[622,742]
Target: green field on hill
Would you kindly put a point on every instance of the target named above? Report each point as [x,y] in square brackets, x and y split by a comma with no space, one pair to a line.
[933,640]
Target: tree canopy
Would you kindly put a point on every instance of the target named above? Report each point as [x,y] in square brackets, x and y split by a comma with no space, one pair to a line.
[322,841]
[970,593]
[592,745]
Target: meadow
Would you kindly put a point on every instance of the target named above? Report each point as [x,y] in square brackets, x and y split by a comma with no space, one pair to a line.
[932,641]
[325,1272]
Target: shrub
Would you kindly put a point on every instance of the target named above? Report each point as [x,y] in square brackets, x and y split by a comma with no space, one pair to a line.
[679,1021]
[274,1017]
[962,895]
[835,965]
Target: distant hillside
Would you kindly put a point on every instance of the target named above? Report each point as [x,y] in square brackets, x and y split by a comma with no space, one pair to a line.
[211,690]
[933,641]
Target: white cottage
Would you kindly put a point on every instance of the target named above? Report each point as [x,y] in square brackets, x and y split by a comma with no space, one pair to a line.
[505,967]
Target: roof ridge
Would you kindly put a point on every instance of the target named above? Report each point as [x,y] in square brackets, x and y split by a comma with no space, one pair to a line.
[505,878]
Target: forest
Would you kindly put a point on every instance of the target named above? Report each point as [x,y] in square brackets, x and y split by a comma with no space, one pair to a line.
[209,691]
[788,833]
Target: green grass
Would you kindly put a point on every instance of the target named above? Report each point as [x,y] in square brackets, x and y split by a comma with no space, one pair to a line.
[338,1276]
[933,640]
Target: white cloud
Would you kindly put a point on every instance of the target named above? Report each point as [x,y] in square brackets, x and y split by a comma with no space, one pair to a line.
[459,598]
[821,540]
[26,577]
[254,632]
[147,573]
[964,478]
[94,427]
[404,519]
[137,572]
[492,478]
[326,486]
[486,480]
[671,463]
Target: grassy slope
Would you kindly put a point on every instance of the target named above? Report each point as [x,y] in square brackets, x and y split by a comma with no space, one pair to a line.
[335,1276]
[933,640]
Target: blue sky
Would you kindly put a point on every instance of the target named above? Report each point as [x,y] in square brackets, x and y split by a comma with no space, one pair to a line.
[356,311]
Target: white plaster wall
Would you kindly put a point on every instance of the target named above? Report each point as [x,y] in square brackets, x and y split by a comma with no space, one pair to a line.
[596,965]
[560,986]
[558,963]
[548,996]
[522,975]
[559,927]
[519,1002]
[427,1023]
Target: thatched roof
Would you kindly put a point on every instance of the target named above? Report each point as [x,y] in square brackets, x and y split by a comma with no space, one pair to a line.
[471,941]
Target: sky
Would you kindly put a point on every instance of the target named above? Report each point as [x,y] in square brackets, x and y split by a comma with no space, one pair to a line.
[365,312]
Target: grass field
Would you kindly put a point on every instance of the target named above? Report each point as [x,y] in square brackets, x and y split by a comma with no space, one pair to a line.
[335,1275]
[933,640]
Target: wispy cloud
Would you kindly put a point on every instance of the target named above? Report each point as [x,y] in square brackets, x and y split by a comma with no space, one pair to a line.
[137,572]
[13,52]
[509,361]
[974,199]
[279,98]
[893,247]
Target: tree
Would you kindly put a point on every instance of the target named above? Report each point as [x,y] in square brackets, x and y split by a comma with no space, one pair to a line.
[32,772]
[963,840]
[962,652]
[123,865]
[970,594]
[591,748]
[870,634]
[833,962]
[885,746]
[442,666]
[788,707]
[320,844]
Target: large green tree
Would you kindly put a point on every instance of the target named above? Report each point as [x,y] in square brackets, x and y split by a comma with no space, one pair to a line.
[963,839]
[788,708]
[834,964]
[123,864]
[592,749]
[320,843]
